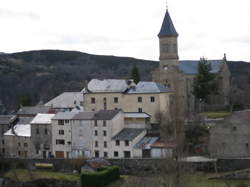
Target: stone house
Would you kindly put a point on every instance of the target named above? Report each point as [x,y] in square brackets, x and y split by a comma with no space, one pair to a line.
[231,137]
[62,134]
[18,143]
[41,135]
[111,94]
[6,122]
[179,75]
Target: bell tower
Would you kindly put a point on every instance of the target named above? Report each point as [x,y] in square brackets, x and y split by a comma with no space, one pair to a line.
[168,41]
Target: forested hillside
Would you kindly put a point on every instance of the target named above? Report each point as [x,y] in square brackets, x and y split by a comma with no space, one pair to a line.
[40,75]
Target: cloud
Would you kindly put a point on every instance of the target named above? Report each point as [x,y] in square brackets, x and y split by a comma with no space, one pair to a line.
[11,14]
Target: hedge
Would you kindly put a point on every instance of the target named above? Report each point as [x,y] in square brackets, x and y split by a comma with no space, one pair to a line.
[100,178]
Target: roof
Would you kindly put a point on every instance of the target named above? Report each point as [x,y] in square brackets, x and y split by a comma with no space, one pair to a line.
[198,159]
[163,144]
[167,28]
[146,142]
[97,163]
[7,119]
[23,130]
[105,114]
[66,100]
[107,85]
[148,87]
[33,110]
[136,115]
[128,134]
[64,115]
[84,116]
[191,66]
[42,119]
[24,120]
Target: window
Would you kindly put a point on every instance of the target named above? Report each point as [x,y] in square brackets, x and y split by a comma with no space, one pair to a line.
[19,144]
[139,109]
[115,99]
[96,154]
[116,154]
[104,123]
[152,99]
[60,142]
[126,143]
[60,122]
[2,141]
[96,143]
[95,123]
[139,99]
[3,150]
[96,133]
[45,131]
[37,151]
[19,153]
[25,145]
[247,145]
[105,154]
[61,132]
[92,100]
[117,142]
[105,144]
[234,128]
[69,143]
[37,131]
[66,121]
[104,133]
[127,154]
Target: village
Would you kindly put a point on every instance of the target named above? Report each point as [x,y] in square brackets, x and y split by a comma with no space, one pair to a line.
[169,117]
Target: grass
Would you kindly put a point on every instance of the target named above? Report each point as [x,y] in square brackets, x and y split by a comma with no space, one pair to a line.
[24,175]
[198,179]
[215,115]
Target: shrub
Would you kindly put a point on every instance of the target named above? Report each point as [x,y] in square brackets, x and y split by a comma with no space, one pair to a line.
[100,178]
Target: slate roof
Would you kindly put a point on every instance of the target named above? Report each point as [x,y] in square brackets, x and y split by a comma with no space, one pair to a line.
[66,100]
[167,28]
[107,85]
[42,119]
[6,119]
[105,114]
[64,116]
[33,110]
[128,134]
[148,87]
[146,142]
[136,115]
[19,130]
[191,66]
[84,116]
[24,120]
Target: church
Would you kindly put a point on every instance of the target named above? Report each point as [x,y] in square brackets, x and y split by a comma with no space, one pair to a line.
[179,75]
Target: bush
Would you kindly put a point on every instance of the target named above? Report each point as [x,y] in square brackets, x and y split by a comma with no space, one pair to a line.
[100,178]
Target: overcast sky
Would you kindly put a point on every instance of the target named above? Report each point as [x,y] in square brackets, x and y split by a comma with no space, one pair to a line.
[207,28]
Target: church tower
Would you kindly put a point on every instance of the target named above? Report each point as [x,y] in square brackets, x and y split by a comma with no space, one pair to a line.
[168,43]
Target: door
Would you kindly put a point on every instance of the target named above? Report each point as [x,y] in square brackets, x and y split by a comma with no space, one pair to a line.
[59,154]
[44,154]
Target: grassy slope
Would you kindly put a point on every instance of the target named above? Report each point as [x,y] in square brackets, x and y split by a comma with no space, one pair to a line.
[25,175]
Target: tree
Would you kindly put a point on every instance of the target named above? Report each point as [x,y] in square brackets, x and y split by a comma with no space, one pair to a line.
[135,75]
[204,83]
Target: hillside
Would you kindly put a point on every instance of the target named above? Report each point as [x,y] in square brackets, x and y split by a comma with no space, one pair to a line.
[41,75]
[36,76]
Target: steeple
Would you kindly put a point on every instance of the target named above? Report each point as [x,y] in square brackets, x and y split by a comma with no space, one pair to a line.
[167,28]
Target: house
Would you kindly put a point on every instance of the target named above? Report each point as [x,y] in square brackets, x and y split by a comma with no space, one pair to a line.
[143,148]
[6,122]
[66,101]
[111,94]
[18,143]
[32,111]
[123,143]
[62,134]
[137,120]
[41,135]
[179,75]
[231,138]
[163,149]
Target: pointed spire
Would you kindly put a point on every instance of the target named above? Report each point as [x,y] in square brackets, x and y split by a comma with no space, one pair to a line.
[167,28]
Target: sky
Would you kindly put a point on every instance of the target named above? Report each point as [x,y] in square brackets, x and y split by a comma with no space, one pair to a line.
[207,28]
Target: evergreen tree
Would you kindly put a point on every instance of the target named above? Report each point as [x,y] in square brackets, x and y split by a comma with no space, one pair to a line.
[204,82]
[135,75]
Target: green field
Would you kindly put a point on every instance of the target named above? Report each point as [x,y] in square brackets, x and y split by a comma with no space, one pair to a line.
[25,175]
